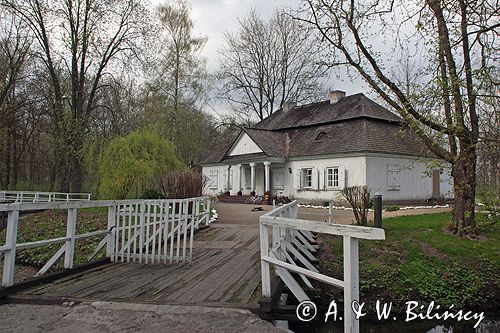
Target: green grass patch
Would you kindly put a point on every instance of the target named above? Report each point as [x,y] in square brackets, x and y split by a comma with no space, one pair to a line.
[52,224]
[420,261]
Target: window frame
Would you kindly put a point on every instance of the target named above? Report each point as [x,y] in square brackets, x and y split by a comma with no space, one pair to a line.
[307,173]
[332,183]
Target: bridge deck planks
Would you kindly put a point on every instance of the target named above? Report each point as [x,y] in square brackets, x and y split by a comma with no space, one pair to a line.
[225,269]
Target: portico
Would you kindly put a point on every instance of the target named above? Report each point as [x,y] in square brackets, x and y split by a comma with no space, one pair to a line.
[250,178]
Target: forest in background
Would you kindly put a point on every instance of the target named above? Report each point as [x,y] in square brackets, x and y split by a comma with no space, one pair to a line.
[76,75]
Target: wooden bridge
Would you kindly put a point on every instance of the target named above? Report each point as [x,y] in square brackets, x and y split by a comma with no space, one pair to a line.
[166,251]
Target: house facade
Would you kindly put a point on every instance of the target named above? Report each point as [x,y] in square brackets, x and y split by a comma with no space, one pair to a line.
[311,152]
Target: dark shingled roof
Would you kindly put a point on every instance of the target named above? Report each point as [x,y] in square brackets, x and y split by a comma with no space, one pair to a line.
[271,142]
[354,124]
[349,107]
[358,135]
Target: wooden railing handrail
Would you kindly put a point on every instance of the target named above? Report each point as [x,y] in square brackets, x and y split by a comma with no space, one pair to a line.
[45,193]
[324,228]
[33,206]
[288,243]
[130,217]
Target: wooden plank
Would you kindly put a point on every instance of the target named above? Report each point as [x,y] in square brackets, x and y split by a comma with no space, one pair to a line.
[62,280]
[117,232]
[290,282]
[88,284]
[300,270]
[129,231]
[52,261]
[30,206]
[153,248]
[172,233]
[251,288]
[9,260]
[111,235]
[300,257]
[223,284]
[324,228]
[98,248]
[198,272]
[265,268]
[213,282]
[351,283]
[59,286]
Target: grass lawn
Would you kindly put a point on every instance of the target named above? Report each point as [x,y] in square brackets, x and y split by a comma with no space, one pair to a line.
[419,261]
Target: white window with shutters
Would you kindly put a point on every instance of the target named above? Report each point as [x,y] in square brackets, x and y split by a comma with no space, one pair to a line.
[332,178]
[307,178]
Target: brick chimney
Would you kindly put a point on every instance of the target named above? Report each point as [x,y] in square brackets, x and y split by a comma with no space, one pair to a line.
[288,105]
[336,95]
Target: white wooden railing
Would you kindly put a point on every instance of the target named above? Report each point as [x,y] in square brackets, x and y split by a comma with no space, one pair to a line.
[145,231]
[287,243]
[32,196]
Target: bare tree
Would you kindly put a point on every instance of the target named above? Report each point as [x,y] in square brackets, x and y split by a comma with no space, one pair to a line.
[14,52]
[179,71]
[176,89]
[78,43]
[268,63]
[16,126]
[359,199]
[457,41]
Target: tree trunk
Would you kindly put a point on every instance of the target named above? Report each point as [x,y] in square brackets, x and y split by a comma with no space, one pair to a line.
[464,176]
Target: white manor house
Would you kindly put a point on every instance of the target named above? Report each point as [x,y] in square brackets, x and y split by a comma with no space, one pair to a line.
[311,152]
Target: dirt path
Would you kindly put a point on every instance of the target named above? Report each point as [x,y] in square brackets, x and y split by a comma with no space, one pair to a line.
[128,317]
[233,213]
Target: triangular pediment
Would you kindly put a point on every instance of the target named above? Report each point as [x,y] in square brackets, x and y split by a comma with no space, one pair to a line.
[244,145]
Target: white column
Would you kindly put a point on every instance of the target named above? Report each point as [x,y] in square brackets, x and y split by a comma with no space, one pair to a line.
[228,180]
[252,177]
[243,178]
[238,178]
[267,166]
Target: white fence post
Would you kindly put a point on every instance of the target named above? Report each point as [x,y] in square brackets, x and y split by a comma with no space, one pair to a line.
[351,281]
[110,246]
[10,254]
[330,212]
[69,250]
[209,212]
[265,267]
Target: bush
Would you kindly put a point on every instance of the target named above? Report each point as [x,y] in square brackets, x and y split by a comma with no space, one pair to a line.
[391,208]
[359,198]
[183,184]
[129,165]
[153,194]
[491,204]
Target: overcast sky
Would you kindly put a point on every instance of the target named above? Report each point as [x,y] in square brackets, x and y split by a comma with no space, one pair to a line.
[214,17]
